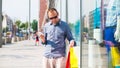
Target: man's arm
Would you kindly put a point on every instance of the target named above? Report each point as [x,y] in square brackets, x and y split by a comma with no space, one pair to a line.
[70,37]
[43,36]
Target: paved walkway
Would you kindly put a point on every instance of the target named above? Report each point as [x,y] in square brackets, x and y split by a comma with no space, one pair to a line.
[23,54]
[94,56]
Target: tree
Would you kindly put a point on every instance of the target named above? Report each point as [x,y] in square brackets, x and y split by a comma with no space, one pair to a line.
[22,26]
[26,25]
[34,25]
[18,22]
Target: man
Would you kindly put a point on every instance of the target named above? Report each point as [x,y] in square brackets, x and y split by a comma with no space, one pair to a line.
[55,34]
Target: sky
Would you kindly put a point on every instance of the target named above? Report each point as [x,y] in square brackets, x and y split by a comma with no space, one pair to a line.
[88,5]
[19,9]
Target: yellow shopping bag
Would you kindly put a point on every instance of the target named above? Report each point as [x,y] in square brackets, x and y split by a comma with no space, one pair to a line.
[115,56]
[73,59]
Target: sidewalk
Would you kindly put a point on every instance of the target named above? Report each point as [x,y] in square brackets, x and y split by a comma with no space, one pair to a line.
[21,54]
[24,54]
[94,56]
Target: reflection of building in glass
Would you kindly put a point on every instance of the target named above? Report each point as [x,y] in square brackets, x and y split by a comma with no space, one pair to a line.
[111,14]
[113,10]
[97,18]
[93,20]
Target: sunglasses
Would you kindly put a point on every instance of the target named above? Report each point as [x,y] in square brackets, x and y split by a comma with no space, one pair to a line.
[53,17]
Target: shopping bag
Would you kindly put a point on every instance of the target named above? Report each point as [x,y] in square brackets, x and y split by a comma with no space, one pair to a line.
[68,61]
[73,59]
[115,56]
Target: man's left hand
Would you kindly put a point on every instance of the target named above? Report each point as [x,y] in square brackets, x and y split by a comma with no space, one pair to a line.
[72,42]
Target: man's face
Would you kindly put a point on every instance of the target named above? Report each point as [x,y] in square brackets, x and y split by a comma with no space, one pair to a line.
[53,16]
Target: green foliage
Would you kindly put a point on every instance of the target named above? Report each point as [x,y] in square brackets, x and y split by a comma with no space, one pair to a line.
[22,25]
[18,22]
[26,25]
[34,25]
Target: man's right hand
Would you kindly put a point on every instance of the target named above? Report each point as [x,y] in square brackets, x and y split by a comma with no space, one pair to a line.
[42,37]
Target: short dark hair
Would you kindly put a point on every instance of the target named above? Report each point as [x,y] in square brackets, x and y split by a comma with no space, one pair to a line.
[52,9]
